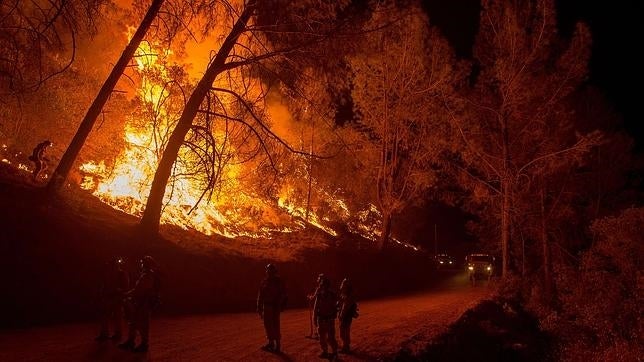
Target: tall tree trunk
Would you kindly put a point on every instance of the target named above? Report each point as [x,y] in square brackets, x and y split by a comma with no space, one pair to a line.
[506,189]
[308,196]
[59,176]
[545,246]
[386,231]
[505,230]
[152,213]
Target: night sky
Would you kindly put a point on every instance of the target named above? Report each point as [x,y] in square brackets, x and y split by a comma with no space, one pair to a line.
[615,67]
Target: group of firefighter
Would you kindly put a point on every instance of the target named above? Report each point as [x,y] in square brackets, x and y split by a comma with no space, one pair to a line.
[135,303]
[325,307]
[119,300]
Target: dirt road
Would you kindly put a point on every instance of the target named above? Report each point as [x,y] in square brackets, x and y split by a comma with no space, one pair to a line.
[384,326]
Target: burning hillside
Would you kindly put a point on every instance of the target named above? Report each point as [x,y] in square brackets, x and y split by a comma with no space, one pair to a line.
[232,209]
[229,210]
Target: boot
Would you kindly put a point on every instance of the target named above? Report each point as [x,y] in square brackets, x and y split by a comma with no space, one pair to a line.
[129,344]
[324,354]
[142,348]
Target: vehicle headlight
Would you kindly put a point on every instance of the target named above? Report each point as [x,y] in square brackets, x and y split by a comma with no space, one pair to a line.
[450,262]
[441,262]
[470,268]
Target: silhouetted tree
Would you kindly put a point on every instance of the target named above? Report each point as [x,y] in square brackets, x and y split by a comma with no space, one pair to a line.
[38,39]
[515,126]
[398,81]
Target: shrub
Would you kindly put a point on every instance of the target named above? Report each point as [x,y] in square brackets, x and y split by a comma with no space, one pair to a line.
[601,301]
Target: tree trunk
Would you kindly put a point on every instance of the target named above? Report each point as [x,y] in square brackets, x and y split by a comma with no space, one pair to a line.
[506,189]
[505,231]
[153,208]
[59,176]
[545,246]
[308,196]
[386,231]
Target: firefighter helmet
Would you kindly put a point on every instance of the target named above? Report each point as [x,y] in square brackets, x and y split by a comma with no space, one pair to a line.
[345,286]
[148,262]
[323,280]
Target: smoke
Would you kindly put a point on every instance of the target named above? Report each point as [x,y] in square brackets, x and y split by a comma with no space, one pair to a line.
[296,133]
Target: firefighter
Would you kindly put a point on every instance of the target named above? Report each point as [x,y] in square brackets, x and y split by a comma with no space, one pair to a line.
[113,287]
[348,309]
[141,300]
[324,313]
[271,301]
[39,159]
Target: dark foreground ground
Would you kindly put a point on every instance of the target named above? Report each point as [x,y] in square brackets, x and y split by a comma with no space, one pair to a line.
[384,327]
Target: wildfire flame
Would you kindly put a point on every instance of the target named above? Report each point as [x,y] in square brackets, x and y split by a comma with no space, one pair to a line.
[234,212]
[126,185]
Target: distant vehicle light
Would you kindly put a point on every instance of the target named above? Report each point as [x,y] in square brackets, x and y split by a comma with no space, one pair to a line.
[470,267]
[450,262]
[489,268]
[441,262]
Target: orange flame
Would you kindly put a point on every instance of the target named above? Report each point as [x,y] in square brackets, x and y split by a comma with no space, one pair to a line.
[125,186]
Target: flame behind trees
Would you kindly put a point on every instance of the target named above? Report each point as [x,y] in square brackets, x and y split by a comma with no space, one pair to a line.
[231,127]
[244,47]
[212,187]
[61,172]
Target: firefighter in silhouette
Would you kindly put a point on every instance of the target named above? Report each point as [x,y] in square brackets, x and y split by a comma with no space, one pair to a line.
[347,310]
[114,285]
[324,313]
[271,301]
[140,301]
[39,159]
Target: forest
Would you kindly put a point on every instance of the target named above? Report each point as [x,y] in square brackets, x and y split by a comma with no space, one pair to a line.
[254,118]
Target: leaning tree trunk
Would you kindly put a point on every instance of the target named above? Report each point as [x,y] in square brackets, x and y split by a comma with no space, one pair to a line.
[153,208]
[308,196]
[67,161]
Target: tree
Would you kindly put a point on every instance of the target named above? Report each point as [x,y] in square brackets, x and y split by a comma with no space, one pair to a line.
[249,47]
[59,176]
[398,81]
[38,39]
[514,124]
